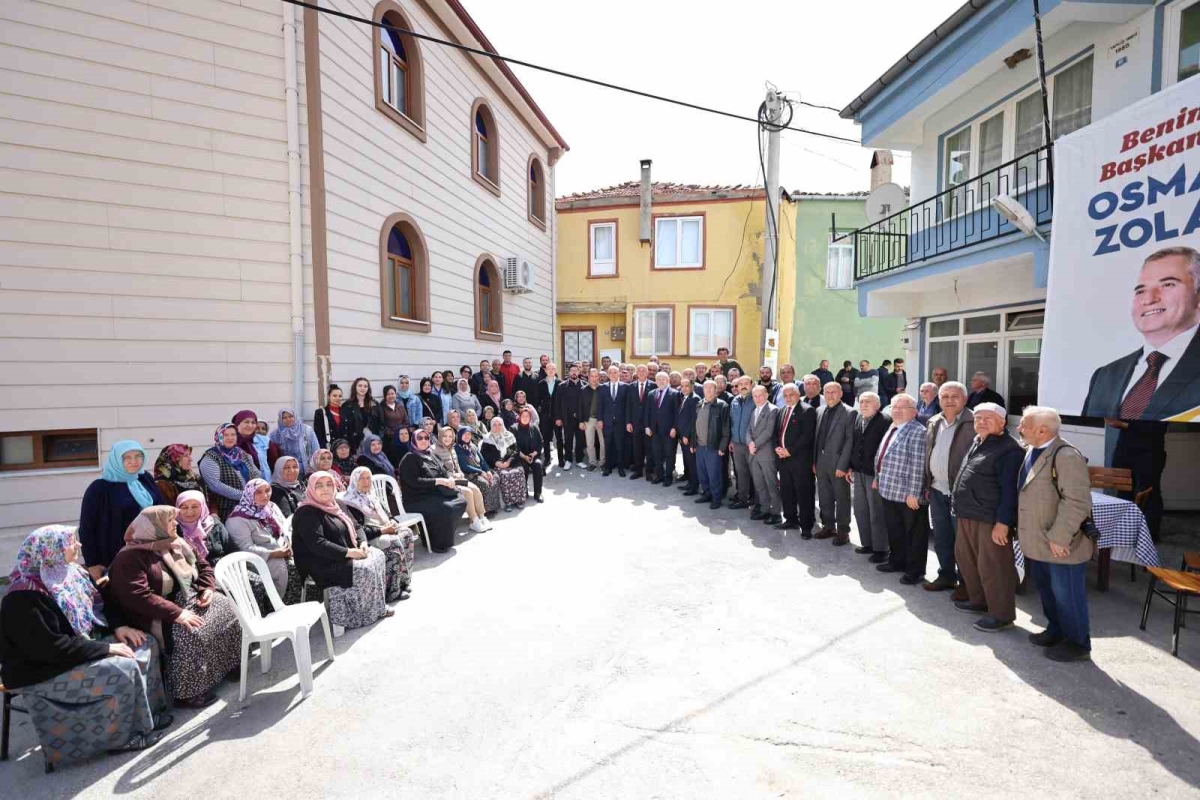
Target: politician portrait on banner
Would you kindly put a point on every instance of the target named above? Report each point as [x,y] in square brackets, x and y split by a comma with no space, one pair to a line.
[1123,297]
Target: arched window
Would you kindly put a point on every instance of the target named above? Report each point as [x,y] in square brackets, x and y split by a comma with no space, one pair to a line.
[489,307]
[403,275]
[399,77]
[537,193]
[485,147]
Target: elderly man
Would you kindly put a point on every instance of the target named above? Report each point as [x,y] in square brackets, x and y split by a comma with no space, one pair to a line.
[762,458]
[927,406]
[689,403]
[869,428]
[813,396]
[637,414]
[662,428]
[940,376]
[985,508]
[710,441]
[551,431]
[1053,499]
[835,430]
[949,437]
[982,392]
[612,421]
[899,472]
[739,423]
[794,449]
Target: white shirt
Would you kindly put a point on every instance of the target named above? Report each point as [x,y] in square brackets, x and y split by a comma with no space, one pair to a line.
[1173,350]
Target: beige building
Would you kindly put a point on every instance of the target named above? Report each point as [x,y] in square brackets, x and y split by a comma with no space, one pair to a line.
[208,206]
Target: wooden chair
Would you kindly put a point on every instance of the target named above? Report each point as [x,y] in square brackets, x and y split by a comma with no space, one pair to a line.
[1182,584]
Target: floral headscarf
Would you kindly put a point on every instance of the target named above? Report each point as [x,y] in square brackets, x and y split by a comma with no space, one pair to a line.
[42,567]
[468,449]
[379,459]
[293,439]
[236,456]
[366,502]
[503,439]
[167,467]
[268,515]
[196,533]
[310,499]
[154,530]
[343,465]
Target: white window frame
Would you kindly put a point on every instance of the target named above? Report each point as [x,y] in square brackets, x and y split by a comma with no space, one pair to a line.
[834,277]
[1172,22]
[594,264]
[711,312]
[653,310]
[679,263]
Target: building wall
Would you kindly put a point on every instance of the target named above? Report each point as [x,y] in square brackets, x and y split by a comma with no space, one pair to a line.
[143,228]
[374,168]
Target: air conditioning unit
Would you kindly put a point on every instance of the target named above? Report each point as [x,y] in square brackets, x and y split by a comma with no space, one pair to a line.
[519,275]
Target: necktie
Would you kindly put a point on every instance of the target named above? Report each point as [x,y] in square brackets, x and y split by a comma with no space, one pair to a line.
[787,417]
[614,391]
[1139,396]
[754,419]
[641,391]
[887,440]
[661,392]
[1028,465]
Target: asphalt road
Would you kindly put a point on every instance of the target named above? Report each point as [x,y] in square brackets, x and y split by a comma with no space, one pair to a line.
[641,646]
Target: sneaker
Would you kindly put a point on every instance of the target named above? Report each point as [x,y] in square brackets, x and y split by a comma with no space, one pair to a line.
[581,464]
[1068,651]
[967,607]
[991,624]
[487,523]
[477,526]
[566,466]
[1044,639]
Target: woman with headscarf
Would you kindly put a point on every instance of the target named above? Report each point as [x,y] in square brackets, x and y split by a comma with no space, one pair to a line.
[429,490]
[201,529]
[485,423]
[343,459]
[111,502]
[226,469]
[412,403]
[287,488]
[163,588]
[471,420]
[326,545]
[464,400]
[472,465]
[508,413]
[499,450]
[403,443]
[444,450]
[431,401]
[529,451]
[79,668]
[258,526]
[441,387]
[174,472]
[454,420]
[332,421]
[293,437]
[492,397]
[390,416]
[376,525]
[371,456]
[260,448]
[520,403]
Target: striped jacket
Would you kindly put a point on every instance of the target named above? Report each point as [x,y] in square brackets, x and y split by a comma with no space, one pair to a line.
[902,471]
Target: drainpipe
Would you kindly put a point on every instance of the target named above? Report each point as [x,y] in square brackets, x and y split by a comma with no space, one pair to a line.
[292,99]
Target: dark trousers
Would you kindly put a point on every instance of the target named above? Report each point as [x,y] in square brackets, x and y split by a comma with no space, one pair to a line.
[944,529]
[1141,449]
[708,468]
[797,485]
[538,472]
[549,429]
[1063,589]
[614,447]
[575,443]
[834,494]
[663,449]
[908,536]
[689,469]
[642,459]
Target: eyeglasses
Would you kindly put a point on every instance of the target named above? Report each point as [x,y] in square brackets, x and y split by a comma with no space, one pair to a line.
[422,437]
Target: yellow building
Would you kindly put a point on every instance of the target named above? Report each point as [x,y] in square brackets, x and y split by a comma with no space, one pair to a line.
[679,286]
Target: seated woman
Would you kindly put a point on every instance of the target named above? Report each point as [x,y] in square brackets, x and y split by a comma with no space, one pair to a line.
[79,669]
[226,469]
[293,437]
[403,443]
[443,450]
[454,420]
[258,526]
[529,451]
[520,404]
[428,489]
[287,490]
[174,472]
[472,465]
[371,456]
[164,589]
[343,459]
[508,413]
[472,421]
[111,502]
[499,450]
[327,547]
[465,400]
[377,526]
[485,423]
[202,529]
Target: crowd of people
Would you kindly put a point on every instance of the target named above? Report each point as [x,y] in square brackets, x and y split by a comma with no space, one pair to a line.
[128,600]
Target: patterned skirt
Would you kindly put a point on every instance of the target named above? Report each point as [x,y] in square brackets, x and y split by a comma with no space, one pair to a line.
[512,486]
[365,600]
[97,706]
[290,594]
[400,551]
[492,500]
[200,658]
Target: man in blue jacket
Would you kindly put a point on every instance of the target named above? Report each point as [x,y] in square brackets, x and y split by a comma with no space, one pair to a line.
[612,422]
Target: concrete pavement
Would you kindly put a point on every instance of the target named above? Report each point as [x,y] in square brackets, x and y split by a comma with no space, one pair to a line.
[642,646]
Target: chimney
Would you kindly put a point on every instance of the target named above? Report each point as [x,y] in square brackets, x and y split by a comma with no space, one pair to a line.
[881,168]
[644,212]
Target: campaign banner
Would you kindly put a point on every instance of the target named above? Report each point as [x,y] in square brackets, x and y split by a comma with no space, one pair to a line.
[1122,304]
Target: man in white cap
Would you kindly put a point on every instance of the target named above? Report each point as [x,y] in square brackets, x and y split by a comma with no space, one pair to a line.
[984,501]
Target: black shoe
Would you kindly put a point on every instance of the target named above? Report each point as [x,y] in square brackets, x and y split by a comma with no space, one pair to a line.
[621,472]
[773,519]
[757,515]
[840,541]
[967,607]
[788,526]
[910,580]
[715,504]
[1044,639]
[991,624]
[864,551]
[139,742]
[635,475]
[682,487]
[203,700]
[806,534]
[666,484]
[704,498]
[591,467]
[605,473]
[690,492]
[540,499]
[163,721]
[878,558]
[1068,651]
[886,567]
[739,504]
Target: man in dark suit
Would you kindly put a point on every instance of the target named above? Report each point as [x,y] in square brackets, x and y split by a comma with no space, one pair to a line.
[822,372]
[662,428]
[637,405]
[982,391]
[527,382]
[689,402]
[831,460]
[479,381]
[544,361]
[566,416]
[552,430]
[794,449]
[612,422]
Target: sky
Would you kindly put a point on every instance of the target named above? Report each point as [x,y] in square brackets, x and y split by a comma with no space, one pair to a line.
[825,53]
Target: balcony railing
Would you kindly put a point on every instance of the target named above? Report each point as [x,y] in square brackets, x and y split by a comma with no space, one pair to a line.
[959,217]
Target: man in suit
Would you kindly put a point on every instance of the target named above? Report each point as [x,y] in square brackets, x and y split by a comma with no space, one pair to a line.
[794,449]
[710,442]
[689,402]
[589,420]
[831,460]
[479,381]
[982,391]
[637,412]
[527,382]
[869,428]
[899,477]
[763,420]
[813,397]
[662,428]
[1050,511]
[566,416]
[822,372]
[885,382]
[612,421]
[543,363]
[551,428]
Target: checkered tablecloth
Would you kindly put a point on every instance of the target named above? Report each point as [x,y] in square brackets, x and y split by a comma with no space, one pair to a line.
[1123,530]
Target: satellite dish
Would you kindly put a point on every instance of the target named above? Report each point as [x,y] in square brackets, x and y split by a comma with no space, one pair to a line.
[1015,213]
[885,200]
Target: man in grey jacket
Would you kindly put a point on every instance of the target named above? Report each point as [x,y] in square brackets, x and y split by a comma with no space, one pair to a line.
[761,436]
[831,460]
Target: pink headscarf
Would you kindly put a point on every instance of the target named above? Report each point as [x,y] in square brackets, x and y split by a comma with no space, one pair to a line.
[310,499]
[494,396]
[196,533]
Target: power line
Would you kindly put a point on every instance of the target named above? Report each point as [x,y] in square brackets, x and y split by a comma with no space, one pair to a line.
[558,72]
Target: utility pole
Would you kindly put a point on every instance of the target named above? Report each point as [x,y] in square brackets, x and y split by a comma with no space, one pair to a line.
[768,291]
[1041,69]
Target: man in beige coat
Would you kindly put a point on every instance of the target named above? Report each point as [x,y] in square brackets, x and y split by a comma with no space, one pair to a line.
[1053,501]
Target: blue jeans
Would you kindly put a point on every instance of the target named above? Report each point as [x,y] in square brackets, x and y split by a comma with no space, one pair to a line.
[944,527]
[1063,590]
[711,472]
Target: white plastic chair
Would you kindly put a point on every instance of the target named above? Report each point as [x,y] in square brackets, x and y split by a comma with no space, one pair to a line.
[290,622]
[379,487]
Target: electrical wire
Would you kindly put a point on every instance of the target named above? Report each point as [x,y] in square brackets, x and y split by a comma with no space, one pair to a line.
[560,73]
